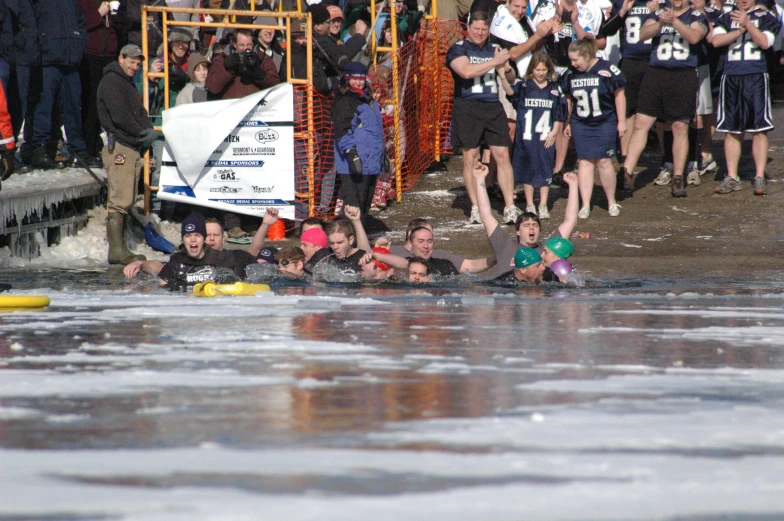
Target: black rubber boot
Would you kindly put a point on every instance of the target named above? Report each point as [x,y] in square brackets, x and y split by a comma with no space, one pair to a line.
[41,159]
[115,235]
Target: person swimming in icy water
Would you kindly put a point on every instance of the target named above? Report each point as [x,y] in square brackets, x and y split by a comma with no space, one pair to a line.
[196,261]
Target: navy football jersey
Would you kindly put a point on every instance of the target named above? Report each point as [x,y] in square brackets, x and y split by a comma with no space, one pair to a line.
[538,108]
[594,92]
[483,88]
[744,56]
[671,50]
[631,46]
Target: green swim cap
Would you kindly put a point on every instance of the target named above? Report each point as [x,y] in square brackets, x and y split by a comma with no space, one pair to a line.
[560,246]
[526,257]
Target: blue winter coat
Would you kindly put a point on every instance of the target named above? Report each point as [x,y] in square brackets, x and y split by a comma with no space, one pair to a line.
[62,35]
[357,124]
[24,32]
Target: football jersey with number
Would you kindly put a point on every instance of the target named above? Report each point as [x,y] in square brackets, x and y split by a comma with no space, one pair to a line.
[632,47]
[537,109]
[557,45]
[482,88]
[671,50]
[594,92]
[744,56]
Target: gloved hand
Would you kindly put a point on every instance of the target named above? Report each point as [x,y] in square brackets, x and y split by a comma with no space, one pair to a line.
[177,79]
[354,162]
[147,138]
[7,163]
[232,62]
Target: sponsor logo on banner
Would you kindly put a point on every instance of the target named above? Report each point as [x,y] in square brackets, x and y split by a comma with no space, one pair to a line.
[222,162]
[262,189]
[226,190]
[226,175]
[253,151]
[267,135]
[231,139]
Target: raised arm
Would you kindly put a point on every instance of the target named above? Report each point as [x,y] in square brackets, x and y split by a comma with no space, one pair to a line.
[352,214]
[270,218]
[572,206]
[485,211]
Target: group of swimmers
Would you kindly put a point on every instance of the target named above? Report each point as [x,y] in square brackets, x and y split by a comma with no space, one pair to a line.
[342,246]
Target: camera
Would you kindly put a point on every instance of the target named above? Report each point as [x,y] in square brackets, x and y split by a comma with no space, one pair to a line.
[249,60]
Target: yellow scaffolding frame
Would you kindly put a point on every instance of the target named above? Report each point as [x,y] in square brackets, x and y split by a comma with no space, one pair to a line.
[227,15]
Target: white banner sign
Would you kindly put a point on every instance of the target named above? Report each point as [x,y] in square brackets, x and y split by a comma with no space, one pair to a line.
[234,155]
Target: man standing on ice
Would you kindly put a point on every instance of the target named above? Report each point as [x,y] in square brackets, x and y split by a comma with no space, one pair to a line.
[129,132]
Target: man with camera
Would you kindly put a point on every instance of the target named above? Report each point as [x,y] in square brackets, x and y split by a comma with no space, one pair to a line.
[239,70]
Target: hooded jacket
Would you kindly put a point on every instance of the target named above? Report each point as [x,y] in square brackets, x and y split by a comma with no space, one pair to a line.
[357,125]
[120,109]
[62,35]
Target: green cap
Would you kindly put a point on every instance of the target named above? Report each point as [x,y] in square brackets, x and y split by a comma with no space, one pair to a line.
[526,257]
[560,246]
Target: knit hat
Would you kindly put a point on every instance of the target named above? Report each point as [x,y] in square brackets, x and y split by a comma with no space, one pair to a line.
[315,236]
[526,257]
[355,70]
[318,13]
[381,265]
[194,223]
[180,34]
[268,254]
[334,12]
[560,246]
[194,60]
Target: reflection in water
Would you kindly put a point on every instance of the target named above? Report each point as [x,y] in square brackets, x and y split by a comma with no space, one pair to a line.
[458,371]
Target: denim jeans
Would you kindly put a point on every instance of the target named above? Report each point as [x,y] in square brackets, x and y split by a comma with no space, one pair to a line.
[61,84]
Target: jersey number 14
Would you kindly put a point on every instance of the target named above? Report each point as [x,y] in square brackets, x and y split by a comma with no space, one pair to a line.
[542,126]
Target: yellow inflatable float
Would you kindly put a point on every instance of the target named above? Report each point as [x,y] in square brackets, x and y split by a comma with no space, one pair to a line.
[210,289]
[9,302]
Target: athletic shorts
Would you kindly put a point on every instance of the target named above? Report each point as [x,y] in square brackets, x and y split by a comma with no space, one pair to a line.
[744,104]
[595,141]
[476,122]
[704,96]
[634,70]
[669,94]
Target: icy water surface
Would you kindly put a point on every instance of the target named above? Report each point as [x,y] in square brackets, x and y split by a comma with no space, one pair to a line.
[631,400]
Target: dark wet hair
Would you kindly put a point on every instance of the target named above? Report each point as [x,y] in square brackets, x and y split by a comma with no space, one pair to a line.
[343,226]
[290,253]
[420,260]
[418,228]
[415,223]
[527,216]
[312,221]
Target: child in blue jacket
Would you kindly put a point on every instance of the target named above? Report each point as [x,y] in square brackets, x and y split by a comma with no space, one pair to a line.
[359,138]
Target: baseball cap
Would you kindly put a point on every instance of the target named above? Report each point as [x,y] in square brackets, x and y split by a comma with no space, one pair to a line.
[334,12]
[132,51]
[194,223]
[560,246]
[526,257]
[315,236]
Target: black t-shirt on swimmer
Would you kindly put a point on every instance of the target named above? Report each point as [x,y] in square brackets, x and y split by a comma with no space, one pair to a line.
[325,254]
[183,270]
[440,267]
[509,278]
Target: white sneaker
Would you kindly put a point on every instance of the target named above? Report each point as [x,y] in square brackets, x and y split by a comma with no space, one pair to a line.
[530,209]
[693,178]
[475,217]
[614,210]
[511,213]
[709,164]
[664,178]
[543,212]
[584,212]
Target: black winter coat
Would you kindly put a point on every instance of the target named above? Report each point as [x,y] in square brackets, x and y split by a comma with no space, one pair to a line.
[21,43]
[120,109]
[62,36]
